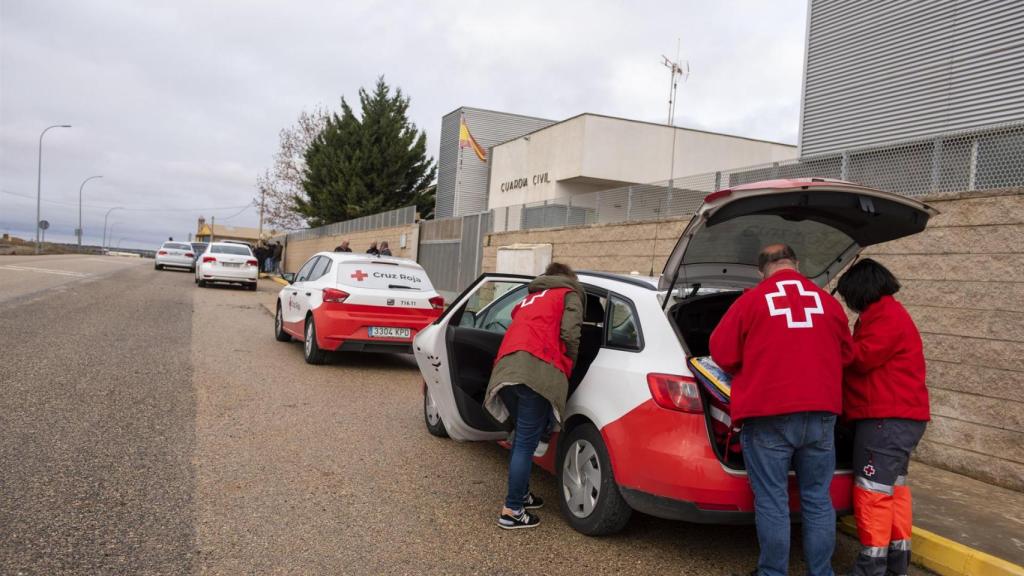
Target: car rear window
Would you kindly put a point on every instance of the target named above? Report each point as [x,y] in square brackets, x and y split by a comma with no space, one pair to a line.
[173,246]
[226,249]
[383,275]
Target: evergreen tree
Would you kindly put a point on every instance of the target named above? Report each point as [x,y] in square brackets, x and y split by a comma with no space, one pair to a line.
[361,166]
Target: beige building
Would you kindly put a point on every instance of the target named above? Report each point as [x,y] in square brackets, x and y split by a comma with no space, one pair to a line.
[591,152]
[207,230]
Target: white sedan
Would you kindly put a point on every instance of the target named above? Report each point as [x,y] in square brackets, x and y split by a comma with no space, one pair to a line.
[229,263]
[175,255]
[644,429]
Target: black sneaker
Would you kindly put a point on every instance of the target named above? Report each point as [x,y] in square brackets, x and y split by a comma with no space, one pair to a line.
[533,502]
[522,520]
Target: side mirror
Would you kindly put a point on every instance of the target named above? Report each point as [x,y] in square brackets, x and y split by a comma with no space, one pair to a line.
[289,277]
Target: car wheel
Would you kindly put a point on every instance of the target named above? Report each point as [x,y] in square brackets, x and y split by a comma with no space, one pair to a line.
[432,417]
[202,283]
[157,267]
[591,501]
[252,287]
[312,351]
[279,332]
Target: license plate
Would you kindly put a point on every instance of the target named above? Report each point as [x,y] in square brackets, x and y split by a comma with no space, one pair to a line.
[388,332]
[232,265]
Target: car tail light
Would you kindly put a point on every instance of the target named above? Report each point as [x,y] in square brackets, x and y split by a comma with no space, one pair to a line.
[252,262]
[189,255]
[162,253]
[209,258]
[675,392]
[437,302]
[334,295]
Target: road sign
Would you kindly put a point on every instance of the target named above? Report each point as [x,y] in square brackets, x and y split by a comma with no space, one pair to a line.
[44,225]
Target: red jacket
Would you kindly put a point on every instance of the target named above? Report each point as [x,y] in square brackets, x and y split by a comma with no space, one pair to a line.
[887,376]
[536,328]
[785,343]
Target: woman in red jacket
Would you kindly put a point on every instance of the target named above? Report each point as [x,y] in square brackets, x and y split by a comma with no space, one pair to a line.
[886,400]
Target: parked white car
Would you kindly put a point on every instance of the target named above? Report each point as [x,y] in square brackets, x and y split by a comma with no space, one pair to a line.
[175,255]
[357,303]
[227,262]
[640,431]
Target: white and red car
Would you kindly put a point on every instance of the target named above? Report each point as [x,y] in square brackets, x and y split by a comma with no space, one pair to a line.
[340,301]
[640,432]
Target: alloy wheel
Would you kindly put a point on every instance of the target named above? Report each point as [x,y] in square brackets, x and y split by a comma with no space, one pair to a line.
[430,409]
[309,339]
[581,478]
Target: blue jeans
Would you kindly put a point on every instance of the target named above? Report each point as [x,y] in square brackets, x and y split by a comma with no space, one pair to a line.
[531,412]
[771,445]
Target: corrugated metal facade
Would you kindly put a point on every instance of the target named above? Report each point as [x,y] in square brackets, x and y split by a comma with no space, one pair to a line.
[462,189]
[879,71]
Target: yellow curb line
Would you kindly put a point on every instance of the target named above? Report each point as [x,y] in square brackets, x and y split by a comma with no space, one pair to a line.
[946,557]
[279,280]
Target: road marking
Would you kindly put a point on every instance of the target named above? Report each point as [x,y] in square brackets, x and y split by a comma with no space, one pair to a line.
[47,271]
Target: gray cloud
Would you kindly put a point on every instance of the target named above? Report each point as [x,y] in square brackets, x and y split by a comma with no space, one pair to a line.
[178,104]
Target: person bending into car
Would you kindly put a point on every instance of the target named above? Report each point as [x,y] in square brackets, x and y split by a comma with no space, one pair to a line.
[530,380]
[785,343]
[886,399]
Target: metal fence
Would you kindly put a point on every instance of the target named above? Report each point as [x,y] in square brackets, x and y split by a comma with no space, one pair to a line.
[451,250]
[397,217]
[979,159]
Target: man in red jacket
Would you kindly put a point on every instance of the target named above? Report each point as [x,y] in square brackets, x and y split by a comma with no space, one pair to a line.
[886,399]
[785,342]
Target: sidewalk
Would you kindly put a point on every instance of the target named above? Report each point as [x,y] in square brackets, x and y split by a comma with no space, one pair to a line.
[979,519]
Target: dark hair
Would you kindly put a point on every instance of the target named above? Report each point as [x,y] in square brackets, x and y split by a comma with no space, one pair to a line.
[781,252]
[559,269]
[865,283]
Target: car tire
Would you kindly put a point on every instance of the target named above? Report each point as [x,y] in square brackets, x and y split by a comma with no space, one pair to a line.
[590,499]
[157,267]
[431,417]
[201,283]
[279,334]
[252,287]
[310,349]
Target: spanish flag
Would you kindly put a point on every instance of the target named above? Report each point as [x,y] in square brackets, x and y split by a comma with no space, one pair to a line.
[466,140]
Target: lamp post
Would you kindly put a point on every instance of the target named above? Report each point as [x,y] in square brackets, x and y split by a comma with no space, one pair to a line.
[39,182]
[104,245]
[80,209]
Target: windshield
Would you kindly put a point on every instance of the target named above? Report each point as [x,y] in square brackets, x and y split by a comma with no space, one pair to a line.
[739,240]
[228,249]
[174,246]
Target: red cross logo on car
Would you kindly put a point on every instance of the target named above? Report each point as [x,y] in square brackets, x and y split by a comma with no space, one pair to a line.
[359,275]
[792,297]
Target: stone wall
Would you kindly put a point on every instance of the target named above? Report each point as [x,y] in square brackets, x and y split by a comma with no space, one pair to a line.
[963,282]
[297,252]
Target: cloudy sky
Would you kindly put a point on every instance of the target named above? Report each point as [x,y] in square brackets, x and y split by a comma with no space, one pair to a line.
[178,104]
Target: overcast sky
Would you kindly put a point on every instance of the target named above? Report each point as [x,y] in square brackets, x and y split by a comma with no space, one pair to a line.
[178,104]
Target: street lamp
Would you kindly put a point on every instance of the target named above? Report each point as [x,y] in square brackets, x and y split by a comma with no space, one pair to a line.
[39,182]
[104,245]
[80,209]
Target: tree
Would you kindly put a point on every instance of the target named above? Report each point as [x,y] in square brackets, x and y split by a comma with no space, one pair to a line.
[360,166]
[278,186]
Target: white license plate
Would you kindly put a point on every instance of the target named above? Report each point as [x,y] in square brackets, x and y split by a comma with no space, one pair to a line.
[388,332]
[231,264]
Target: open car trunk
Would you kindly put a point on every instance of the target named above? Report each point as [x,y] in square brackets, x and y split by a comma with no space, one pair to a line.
[826,222]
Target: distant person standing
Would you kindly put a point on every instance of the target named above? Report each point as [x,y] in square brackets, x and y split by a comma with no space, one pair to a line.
[385,250]
[373,249]
[785,342]
[275,259]
[886,399]
[260,252]
[343,247]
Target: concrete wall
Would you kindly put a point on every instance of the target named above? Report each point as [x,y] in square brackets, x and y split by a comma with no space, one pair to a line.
[298,252]
[963,282]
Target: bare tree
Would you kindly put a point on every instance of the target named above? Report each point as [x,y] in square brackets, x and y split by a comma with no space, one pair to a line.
[278,187]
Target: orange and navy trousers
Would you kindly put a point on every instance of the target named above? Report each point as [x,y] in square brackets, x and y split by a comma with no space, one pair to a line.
[881,498]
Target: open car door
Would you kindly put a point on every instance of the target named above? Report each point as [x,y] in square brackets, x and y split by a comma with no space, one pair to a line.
[456,354]
[827,222]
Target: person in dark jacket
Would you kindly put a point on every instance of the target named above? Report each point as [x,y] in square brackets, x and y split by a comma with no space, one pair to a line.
[886,400]
[276,253]
[530,380]
[785,343]
[373,249]
[343,247]
[385,250]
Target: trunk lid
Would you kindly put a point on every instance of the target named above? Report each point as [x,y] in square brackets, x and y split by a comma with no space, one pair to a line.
[827,222]
[386,282]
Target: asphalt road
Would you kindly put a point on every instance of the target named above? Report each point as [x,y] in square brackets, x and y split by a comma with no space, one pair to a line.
[152,427]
